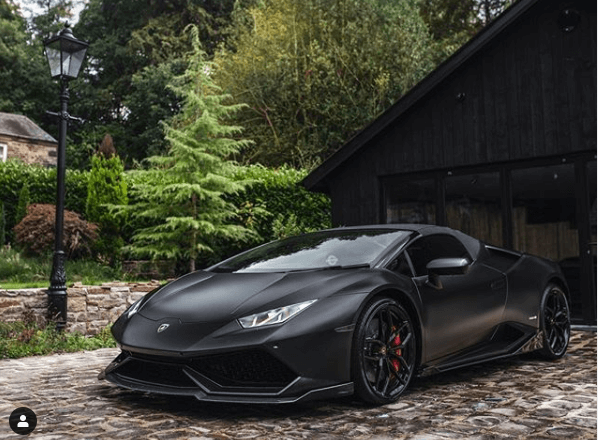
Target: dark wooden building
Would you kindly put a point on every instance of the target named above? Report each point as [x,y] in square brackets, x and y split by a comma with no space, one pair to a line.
[499,142]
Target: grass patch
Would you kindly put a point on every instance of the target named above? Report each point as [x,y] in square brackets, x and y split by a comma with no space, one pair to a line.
[27,285]
[20,339]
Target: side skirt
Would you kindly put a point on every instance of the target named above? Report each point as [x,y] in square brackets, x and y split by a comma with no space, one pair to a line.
[508,340]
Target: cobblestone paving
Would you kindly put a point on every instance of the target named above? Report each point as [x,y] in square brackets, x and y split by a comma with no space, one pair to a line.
[518,398]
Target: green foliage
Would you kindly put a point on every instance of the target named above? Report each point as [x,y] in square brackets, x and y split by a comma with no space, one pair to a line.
[78,155]
[313,72]
[180,196]
[270,197]
[272,193]
[19,339]
[2,225]
[14,175]
[453,22]
[136,47]
[106,186]
[283,227]
[283,200]
[151,102]
[12,265]
[23,203]
[25,86]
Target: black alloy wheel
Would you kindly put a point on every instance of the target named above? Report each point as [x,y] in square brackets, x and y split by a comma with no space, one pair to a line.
[384,351]
[554,323]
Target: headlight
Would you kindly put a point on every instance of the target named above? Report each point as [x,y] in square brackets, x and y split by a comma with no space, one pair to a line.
[274,316]
[133,309]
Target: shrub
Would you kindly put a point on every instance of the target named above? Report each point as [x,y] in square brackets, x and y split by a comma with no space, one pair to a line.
[36,231]
[14,175]
[283,227]
[106,186]
[23,203]
[280,193]
[2,225]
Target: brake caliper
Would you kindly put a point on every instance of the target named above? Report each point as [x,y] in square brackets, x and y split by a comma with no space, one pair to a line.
[395,343]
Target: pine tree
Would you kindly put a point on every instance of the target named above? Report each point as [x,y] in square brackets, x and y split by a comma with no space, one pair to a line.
[180,196]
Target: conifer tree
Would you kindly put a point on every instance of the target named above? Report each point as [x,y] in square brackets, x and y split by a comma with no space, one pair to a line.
[106,185]
[180,197]
[2,225]
[23,203]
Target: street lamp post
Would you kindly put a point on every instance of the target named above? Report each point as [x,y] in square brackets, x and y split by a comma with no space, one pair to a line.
[65,55]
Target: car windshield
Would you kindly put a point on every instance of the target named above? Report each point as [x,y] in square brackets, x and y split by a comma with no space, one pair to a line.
[318,250]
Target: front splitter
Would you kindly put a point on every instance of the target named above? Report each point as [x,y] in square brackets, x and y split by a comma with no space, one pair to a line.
[330,392]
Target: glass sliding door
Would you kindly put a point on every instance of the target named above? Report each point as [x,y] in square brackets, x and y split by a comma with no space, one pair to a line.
[545,221]
[473,205]
[410,201]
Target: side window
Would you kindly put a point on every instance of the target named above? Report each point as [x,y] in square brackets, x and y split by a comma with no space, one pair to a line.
[429,248]
[3,152]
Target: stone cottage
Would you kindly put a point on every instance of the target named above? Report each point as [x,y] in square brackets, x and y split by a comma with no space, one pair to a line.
[21,138]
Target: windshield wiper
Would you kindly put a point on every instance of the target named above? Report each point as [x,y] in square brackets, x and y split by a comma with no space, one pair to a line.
[336,267]
[222,269]
[351,266]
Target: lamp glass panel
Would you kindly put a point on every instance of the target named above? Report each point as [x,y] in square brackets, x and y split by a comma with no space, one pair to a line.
[65,57]
[53,56]
[75,61]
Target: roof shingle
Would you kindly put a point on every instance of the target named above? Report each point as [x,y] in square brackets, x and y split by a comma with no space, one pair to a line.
[22,126]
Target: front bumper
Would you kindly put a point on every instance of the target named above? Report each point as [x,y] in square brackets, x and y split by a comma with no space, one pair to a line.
[306,358]
[248,376]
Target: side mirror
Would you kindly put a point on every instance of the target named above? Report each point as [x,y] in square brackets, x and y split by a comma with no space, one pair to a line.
[445,266]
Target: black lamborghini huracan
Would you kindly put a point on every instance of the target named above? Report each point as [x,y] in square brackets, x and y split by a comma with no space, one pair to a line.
[350,310]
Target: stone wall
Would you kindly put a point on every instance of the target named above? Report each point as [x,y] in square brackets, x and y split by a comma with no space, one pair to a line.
[90,308]
[30,151]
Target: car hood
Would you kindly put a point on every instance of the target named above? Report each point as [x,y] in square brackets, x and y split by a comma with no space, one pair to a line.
[215,297]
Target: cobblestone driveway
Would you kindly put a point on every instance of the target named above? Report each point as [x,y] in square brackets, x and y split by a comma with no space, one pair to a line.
[518,398]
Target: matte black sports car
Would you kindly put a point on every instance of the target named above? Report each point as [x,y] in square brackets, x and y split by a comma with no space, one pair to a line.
[350,310]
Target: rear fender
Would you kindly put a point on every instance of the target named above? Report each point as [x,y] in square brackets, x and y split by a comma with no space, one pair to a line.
[527,280]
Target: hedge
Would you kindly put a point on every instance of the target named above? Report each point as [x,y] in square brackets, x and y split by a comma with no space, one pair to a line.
[274,197]
[280,193]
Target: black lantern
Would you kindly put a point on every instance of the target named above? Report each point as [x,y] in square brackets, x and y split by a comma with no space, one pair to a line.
[65,55]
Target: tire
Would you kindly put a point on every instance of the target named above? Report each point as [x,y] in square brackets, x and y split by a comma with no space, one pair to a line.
[384,351]
[554,323]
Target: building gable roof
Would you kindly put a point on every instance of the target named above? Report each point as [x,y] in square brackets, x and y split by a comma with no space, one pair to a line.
[316,179]
[23,127]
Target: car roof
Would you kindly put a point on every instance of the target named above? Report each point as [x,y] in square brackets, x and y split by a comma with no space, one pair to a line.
[473,245]
[414,227]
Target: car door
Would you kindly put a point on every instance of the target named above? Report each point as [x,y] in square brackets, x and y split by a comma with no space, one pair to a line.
[466,308]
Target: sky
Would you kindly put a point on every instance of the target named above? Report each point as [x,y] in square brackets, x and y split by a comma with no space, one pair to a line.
[29,8]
